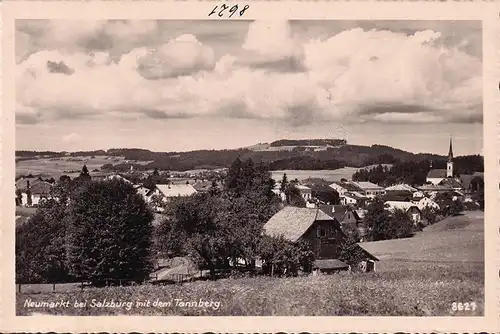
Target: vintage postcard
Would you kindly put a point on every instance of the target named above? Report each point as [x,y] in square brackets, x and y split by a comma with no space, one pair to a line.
[249,166]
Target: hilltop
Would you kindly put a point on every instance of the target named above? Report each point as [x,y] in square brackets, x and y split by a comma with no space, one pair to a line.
[305,154]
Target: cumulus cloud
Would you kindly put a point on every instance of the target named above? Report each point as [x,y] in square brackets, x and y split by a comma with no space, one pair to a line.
[71,138]
[355,75]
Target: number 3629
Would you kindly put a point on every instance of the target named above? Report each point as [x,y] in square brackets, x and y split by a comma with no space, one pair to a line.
[463,306]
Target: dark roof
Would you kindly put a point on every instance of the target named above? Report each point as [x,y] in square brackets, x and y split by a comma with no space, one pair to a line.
[436,173]
[356,197]
[327,208]
[339,212]
[315,181]
[450,182]
[480,174]
[292,222]
[348,186]
[40,188]
[398,196]
[22,184]
[330,264]
[466,180]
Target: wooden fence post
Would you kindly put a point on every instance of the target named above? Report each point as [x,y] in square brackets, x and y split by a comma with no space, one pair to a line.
[53,287]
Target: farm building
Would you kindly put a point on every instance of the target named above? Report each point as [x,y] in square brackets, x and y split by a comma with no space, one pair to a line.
[323,232]
[411,209]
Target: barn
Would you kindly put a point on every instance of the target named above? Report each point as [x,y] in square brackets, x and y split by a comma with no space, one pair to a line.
[323,232]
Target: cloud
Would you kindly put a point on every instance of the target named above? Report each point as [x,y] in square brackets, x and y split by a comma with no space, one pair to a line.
[72,138]
[355,75]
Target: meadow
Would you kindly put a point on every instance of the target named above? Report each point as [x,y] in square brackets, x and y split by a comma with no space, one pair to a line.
[420,276]
[55,167]
[328,175]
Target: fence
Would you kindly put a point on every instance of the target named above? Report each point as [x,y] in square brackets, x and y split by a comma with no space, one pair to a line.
[81,285]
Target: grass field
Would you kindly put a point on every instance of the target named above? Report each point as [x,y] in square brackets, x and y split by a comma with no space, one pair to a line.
[420,276]
[328,175]
[54,167]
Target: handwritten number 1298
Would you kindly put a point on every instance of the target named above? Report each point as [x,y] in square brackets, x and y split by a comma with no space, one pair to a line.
[234,9]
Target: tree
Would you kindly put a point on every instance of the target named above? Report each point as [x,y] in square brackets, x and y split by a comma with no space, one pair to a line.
[284,183]
[283,257]
[402,224]
[64,178]
[40,245]
[233,179]
[350,252]
[377,218]
[447,205]
[430,214]
[293,196]
[109,232]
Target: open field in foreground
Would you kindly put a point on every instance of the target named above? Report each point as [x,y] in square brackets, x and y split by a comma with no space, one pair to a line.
[421,277]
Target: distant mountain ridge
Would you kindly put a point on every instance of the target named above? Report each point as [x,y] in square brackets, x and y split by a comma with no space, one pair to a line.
[281,154]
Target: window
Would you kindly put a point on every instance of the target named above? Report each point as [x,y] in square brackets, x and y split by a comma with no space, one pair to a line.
[321,232]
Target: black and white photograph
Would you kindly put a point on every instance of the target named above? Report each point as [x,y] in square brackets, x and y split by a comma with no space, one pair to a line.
[249,168]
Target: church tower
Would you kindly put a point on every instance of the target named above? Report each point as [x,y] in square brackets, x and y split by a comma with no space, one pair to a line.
[449,164]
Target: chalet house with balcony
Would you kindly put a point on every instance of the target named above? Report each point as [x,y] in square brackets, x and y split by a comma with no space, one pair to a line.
[323,232]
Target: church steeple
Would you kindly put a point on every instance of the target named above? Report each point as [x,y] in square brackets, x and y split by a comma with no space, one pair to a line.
[450,152]
[449,164]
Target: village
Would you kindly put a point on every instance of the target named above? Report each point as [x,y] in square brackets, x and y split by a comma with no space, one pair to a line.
[322,213]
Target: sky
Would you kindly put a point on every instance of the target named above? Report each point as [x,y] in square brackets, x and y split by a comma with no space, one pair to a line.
[172,85]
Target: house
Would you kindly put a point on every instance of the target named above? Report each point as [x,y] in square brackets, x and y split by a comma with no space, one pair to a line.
[435,176]
[452,183]
[401,187]
[344,187]
[116,177]
[431,188]
[203,186]
[34,194]
[472,183]
[411,209]
[165,192]
[425,202]
[305,192]
[143,191]
[398,195]
[369,189]
[322,231]
[349,219]
[355,199]
[324,194]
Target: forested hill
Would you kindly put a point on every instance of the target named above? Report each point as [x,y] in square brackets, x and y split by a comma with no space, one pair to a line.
[330,158]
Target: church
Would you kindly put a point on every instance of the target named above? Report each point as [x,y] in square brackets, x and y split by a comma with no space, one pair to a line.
[436,176]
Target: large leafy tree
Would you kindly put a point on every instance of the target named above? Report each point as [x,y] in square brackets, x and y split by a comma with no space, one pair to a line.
[40,251]
[109,232]
[220,226]
[377,218]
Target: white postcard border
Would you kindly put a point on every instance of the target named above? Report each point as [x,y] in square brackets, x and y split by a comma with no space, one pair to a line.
[485,11]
